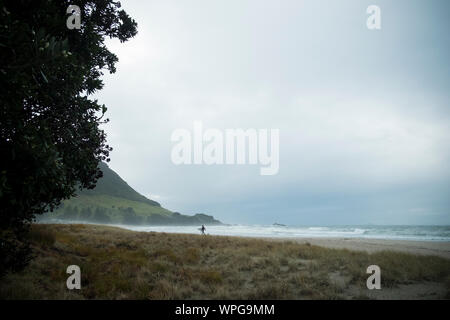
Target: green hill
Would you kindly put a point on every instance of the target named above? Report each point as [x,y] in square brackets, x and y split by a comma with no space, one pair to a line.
[114,201]
[113,185]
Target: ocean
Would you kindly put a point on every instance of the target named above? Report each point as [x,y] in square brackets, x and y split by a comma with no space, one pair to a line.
[419,233]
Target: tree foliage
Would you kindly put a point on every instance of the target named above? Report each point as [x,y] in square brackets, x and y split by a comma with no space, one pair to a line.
[51,142]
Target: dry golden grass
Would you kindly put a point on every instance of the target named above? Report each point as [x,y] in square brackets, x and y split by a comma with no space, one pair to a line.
[121,264]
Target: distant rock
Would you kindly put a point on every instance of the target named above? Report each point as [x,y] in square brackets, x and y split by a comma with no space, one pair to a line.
[279,225]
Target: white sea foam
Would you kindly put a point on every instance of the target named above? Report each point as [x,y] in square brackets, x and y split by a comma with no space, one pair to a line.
[420,233]
[430,233]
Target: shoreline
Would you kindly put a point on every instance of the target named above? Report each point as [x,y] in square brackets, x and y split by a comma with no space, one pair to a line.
[369,245]
[436,248]
[415,247]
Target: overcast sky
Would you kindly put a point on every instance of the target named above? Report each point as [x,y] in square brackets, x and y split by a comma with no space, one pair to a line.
[363,114]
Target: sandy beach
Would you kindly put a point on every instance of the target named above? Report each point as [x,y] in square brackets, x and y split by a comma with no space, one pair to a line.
[435,248]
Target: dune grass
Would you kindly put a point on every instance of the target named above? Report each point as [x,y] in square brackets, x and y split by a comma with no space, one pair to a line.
[121,264]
